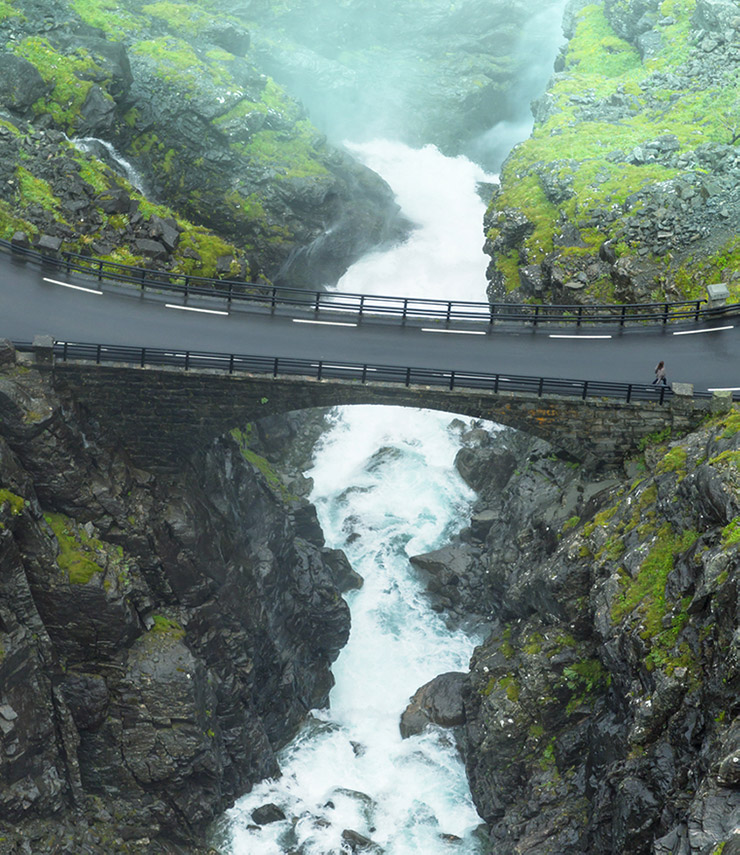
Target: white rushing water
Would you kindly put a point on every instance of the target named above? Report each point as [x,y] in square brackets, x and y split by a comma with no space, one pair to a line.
[385,488]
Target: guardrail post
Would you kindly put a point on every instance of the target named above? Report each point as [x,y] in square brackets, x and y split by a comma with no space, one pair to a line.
[662,392]
[187,360]
[231,293]
[98,351]
[408,376]
[696,313]
[452,380]
[272,302]
[64,352]
[318,372]
[316,302]
[584,392]
[665,318]
[362,308]
[629,392]
[621,319]
[495,384]
[405,308]
[536,314]
[580,315]
[492,312]
[364,373]
[540,387]
[100,270]
[449,310]
[143,357]
[275,367]
[231,363]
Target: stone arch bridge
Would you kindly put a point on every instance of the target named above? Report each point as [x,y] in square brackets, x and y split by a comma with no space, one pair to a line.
[163,414]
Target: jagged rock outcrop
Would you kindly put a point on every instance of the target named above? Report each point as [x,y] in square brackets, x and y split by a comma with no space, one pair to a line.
[618,160]
[160,638]
[601,712]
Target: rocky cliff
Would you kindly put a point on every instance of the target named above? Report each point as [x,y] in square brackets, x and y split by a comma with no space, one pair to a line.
[627,190]
[600,714]
[145,133]
[160,637]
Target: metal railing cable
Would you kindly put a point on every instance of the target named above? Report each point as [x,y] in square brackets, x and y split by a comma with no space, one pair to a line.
[363,373]
[278,297]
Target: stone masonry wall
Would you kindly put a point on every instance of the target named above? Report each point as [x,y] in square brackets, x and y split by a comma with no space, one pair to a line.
[162,415]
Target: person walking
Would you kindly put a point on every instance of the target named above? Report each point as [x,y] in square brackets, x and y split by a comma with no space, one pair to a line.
[660,374]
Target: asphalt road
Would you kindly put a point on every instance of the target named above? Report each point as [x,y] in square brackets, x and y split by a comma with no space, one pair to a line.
[703,355]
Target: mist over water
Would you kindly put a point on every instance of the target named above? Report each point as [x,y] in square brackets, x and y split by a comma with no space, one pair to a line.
[385,488]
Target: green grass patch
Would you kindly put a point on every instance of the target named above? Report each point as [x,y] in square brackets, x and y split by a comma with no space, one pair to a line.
[109,15]
[673,461]
[645,593]
[14,502]
[68,76]
[75,549]
[167,626]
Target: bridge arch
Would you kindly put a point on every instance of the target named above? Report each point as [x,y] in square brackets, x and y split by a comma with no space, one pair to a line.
[163,415]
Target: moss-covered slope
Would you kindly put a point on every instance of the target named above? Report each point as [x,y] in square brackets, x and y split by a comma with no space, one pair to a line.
[242,179]
[628,188]
[602,708]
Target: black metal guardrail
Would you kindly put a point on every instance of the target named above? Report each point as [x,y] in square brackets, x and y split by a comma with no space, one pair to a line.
[275,297]
[282,367]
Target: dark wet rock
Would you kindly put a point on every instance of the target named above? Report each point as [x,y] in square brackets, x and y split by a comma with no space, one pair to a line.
[159,671]
[22,83]
[437,702]
[266,814]
[359,843]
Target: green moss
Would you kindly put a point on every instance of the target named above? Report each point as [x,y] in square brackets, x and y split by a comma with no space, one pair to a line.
[533,644]
[68,76]
[167,626]
[731,425]
[731,458]
[15,503]
[109,15]
[655,438]
[37,191]
[75,549]
[578,153]
[731,532]
[509,684]
[586,680]
[7,11]
[673,461]
[185,18]
[645,593]
[569,524]
[296,156]
[178,64]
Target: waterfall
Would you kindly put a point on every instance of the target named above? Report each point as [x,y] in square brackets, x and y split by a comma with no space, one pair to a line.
[385,488]
[104,151]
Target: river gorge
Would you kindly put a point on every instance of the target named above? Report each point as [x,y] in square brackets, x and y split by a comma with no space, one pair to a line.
[219,657]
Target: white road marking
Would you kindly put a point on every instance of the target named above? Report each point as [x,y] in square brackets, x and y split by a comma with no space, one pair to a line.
[323,323]
[455,332]
[694,332]
[76,287]
[194,309]
[557,335]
